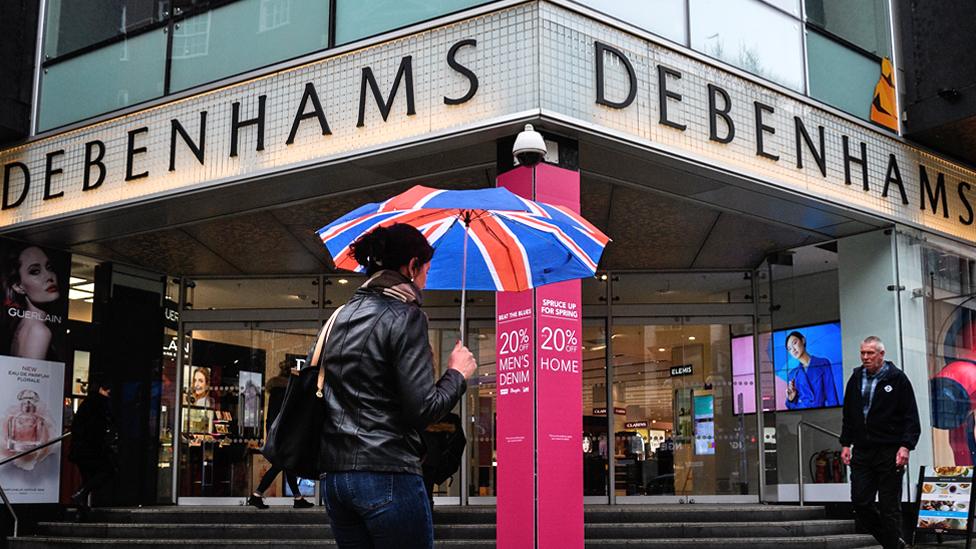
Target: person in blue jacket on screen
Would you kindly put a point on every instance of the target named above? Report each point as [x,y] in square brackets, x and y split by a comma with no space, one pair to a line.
[811,385]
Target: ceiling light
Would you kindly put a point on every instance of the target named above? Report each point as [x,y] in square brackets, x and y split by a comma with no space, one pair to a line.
[76,280]
[691,338]
[661,349]
[89,300]
[343,281]
[78,294]
[598,347]
[90,287]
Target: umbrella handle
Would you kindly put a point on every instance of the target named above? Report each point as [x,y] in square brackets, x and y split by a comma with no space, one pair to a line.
[464,276]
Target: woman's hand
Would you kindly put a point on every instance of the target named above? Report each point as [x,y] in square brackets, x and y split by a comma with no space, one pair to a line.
[462,360]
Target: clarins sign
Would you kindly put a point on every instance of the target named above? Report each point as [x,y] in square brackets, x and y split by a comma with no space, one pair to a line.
[530,59]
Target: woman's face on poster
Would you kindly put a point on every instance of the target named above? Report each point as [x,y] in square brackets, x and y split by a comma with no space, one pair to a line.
[28,407]
[796,347]
[38,281]
[199,383]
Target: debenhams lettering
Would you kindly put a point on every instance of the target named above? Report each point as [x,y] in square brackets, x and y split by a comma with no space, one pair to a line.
[932,183]
[811,152]
[17,177]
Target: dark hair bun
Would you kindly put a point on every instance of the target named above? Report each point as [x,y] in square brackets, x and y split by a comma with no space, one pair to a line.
[391,248]
[368,249]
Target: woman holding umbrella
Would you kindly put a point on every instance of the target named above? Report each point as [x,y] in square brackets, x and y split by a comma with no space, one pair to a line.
[380,393]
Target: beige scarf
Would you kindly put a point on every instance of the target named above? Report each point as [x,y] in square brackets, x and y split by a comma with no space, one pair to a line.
[395,285]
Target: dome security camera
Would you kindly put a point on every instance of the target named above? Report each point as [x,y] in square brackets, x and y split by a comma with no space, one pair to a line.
[529,148]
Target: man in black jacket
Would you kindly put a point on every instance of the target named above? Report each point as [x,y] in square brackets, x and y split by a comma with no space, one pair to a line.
[94,442]
[881,422]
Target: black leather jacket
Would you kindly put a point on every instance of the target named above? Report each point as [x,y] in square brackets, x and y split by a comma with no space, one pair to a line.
[379,386]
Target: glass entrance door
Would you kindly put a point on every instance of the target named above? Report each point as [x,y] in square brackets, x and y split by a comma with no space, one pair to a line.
[683,427]
[232,384]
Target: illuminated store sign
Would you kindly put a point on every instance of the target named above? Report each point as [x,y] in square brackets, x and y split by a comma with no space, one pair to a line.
[530,60]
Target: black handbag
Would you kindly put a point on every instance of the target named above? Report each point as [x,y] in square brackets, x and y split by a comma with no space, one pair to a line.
[294,438]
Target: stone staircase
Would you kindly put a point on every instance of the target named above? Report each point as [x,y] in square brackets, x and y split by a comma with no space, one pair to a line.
[625,526]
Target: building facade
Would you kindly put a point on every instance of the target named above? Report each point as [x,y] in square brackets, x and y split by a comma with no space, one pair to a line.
[768,204]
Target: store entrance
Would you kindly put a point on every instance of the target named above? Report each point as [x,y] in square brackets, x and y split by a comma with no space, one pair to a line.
[680,431]
[232,382]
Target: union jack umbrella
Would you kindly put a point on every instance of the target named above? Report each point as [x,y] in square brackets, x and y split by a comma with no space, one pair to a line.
[516,243]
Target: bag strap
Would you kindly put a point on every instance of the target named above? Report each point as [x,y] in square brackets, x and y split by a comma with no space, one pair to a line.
[323,336]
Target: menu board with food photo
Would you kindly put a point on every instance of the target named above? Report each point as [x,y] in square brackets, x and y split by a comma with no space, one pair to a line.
[945,499]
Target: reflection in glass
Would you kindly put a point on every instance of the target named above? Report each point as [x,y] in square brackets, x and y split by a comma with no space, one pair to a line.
[481,401]
[596,439]
[864,23]
[678,433]
[124,73]
[355,19]
[233,385]
[840,76]
[662,17]
[752,36]
[206,47]
[442,343]
[71,25]
[950,281]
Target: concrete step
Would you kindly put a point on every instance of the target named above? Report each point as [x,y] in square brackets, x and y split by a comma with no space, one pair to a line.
[819,542]
[719,529]
[444,531]
[192,532]
[463,515]
[701,513]
[141,543]
[849,541]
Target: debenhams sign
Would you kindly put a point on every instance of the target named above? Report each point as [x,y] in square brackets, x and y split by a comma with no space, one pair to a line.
[484,70]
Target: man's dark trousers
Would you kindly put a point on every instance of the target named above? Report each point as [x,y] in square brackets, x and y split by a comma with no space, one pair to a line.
[94,475]
[873,472]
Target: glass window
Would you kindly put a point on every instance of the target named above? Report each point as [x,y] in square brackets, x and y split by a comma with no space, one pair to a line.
[442,341]
[482,410]
[840,76]
[732,287]
[233,386]
[71,25]
[595,435]
[206,47]
[950,308]
[356,19]
[109,78]
[254,293]
[678,434]
[790,6]
[751,36]
[663,17]
[863,23]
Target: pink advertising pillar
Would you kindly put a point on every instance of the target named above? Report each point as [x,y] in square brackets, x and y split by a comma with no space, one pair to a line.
[539,384]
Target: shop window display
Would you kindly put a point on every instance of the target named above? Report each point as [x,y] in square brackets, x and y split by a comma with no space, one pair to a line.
[233,381]
[951,315]
[675,430]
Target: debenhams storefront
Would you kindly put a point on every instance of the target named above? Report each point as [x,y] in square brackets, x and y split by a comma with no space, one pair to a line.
[740,212]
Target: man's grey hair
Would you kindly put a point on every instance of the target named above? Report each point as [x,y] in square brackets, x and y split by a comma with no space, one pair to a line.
[876,341]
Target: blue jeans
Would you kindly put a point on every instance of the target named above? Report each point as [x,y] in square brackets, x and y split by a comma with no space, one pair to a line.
[378,510]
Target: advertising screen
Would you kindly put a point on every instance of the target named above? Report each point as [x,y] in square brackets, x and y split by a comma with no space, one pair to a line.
[805,364]
[704,409]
